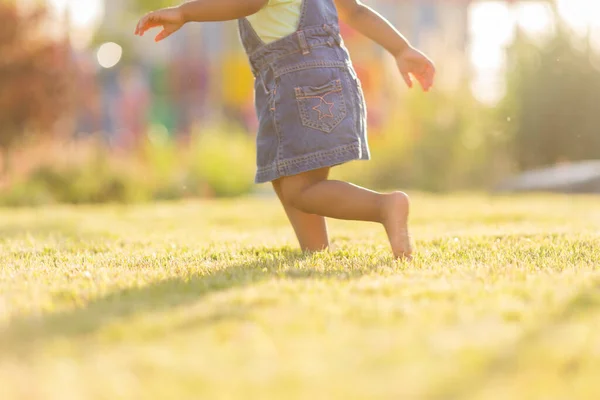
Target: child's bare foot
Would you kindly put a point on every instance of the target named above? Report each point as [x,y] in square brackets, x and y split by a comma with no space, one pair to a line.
[395,221]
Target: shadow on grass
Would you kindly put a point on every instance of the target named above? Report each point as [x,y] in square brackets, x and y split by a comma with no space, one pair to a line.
[23,334]
[506,360]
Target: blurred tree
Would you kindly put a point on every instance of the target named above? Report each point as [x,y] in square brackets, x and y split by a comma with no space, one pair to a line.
[33,77]
[150,5]
[551,108]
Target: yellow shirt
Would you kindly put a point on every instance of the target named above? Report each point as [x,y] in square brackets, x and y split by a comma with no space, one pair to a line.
[277,19]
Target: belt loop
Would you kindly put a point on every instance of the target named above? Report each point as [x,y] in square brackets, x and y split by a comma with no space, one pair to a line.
[259,76]
[303,43]
[253,69]
[334,34]
[262,80]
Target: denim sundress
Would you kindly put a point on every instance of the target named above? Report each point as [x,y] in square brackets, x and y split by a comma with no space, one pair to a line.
[308,98]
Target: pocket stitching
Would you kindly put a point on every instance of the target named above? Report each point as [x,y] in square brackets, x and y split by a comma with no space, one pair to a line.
[334,86]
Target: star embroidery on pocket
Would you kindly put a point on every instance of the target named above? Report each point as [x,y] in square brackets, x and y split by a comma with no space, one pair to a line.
[322,103]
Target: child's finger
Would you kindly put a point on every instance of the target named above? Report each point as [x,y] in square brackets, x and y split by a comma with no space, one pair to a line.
[148,22]
[146,26]
[407,79]
[162,35]
[425,77]
[430,75]
[139,29]
[428,83]
[423,81]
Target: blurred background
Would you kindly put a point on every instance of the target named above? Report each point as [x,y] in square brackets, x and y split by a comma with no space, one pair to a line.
[90,113]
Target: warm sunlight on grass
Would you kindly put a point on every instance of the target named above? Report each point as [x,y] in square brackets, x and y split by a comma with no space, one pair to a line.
[210,300]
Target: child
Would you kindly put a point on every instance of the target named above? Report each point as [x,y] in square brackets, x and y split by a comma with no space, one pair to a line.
[310,105]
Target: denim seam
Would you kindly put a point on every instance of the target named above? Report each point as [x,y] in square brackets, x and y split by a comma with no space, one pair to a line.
[277,131]
[291,166]
[309,65]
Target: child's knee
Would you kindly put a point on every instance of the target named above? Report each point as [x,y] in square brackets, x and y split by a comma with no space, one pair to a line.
[292,190]
[293,187]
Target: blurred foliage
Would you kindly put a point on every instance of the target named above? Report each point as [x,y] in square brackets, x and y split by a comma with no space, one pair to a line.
[438,141]
[151,5]
[434,142]
[97,179]
[225,162]
[448,141]
[550,113]
[162,169]
[33,76]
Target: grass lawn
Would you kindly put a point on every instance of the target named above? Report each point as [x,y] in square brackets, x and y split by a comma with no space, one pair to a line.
[211,300]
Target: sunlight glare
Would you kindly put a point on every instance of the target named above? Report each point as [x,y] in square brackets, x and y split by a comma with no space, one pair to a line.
[492,22]
[595,38]
[488,88]
[81,13]
[535,19]
[109,54]
[84,13]
[84,16]
[580,14]
[492,28]
[486,57]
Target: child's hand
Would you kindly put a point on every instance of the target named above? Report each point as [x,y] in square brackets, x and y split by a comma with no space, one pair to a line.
[171,20]
[412,62]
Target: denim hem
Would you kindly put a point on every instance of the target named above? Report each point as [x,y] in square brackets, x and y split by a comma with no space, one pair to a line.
[309,162]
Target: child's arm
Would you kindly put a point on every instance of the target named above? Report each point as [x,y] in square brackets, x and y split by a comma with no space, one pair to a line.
[371,24]
[173,18]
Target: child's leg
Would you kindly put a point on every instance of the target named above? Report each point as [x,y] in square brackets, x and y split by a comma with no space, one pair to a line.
[312,193]
[310,229]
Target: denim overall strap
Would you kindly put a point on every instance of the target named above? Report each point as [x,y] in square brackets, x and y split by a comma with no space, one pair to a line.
[251,43]
[249,37]
[313,14]
[317,13]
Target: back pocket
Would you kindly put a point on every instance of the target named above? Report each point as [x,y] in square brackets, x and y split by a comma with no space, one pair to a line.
[322,107]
